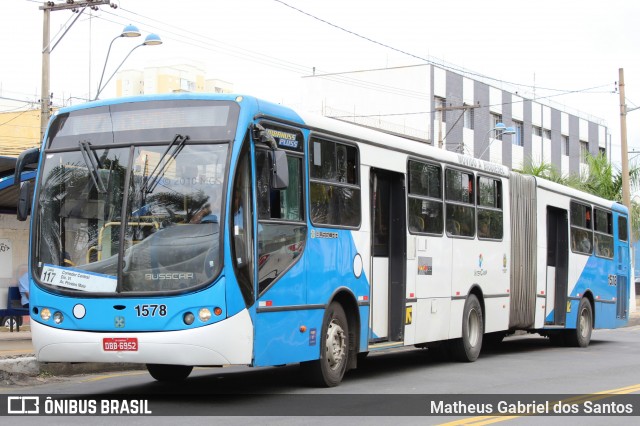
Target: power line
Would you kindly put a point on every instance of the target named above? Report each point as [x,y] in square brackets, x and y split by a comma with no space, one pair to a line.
[427,60]
[19,115]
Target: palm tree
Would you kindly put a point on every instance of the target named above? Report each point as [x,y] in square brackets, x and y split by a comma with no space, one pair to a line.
[549,172]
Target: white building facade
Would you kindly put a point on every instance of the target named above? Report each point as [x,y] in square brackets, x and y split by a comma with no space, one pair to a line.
[459,113]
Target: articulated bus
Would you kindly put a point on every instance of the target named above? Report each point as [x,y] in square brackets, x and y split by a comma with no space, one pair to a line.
[204,230]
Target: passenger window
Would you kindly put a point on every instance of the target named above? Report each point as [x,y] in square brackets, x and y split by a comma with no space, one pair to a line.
[603,235]
[490,216]
[459,190]
[581,229]
[623,231]
[334,184]
[425,198]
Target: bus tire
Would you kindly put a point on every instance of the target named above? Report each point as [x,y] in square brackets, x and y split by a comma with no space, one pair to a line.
[334,349]
[467,348]
[169,373]
[581,336]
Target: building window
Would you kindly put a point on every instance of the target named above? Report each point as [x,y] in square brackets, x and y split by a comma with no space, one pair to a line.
[584,150]
[564,145]
[495,119]
[536,131]
[441,103]
[517,139]
[468,117]
[546,134]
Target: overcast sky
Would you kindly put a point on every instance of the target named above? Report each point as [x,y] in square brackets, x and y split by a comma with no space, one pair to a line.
[264,47]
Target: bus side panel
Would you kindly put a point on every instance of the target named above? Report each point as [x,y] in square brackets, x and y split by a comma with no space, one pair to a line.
[430,269]
[595,278]
[282,340]
[333,261]
[605,315]
[288,324]
[283,322]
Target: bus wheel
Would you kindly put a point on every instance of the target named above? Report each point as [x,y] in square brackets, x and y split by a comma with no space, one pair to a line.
[467,348]
[169,373]
[334,349]
[581,336]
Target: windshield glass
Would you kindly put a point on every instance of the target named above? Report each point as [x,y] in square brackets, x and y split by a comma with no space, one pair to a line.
[170,226]
[170,229]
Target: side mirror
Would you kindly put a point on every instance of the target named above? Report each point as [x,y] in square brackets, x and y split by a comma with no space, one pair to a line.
[280,170]
[24,201]
[27,157]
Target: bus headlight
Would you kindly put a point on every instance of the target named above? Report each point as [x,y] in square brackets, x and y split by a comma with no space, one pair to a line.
[204,314]
[58,317]
[45,314]
[188,318]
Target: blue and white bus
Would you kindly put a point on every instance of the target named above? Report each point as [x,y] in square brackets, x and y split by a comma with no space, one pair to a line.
[203,230]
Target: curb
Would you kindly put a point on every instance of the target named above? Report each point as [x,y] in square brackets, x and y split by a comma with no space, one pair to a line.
[29,366]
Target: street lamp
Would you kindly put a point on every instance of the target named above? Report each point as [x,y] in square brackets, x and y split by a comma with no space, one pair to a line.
[502,129]
[150,40]
[128,31]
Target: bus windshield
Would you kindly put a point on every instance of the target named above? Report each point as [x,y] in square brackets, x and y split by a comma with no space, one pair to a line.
[143,217]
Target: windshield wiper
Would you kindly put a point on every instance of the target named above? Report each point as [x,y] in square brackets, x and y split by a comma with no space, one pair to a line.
[154,178]
[93,164]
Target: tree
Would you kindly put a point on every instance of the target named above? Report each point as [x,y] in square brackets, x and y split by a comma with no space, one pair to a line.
[549,172]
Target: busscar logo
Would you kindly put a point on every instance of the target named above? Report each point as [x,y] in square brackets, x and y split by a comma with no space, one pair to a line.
[170,276]
[23,405]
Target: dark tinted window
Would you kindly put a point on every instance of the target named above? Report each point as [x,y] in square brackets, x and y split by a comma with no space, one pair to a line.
[425,198]
[335,184]
[581,232]
[461,215]
[490,220]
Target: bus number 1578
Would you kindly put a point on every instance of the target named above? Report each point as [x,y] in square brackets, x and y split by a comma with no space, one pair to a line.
[151,310]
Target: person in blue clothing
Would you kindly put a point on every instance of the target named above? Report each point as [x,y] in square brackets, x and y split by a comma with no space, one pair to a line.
[23,286]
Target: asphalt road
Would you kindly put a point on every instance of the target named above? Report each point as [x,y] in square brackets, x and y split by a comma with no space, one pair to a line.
[396,383]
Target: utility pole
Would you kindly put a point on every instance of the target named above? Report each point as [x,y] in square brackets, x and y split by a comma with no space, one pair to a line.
[626,191]
[77,6]
[449,108]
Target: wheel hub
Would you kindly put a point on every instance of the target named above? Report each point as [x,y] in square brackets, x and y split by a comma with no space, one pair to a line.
[336,346]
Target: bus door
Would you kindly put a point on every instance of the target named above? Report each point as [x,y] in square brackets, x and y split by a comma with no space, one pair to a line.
[557,266]
[388,259]
[622,268]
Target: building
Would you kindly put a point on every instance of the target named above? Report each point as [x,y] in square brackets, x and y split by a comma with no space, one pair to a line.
[175,78]
[19,130]
[459,113]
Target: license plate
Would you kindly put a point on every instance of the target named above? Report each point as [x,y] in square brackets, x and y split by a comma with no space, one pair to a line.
[120,344]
